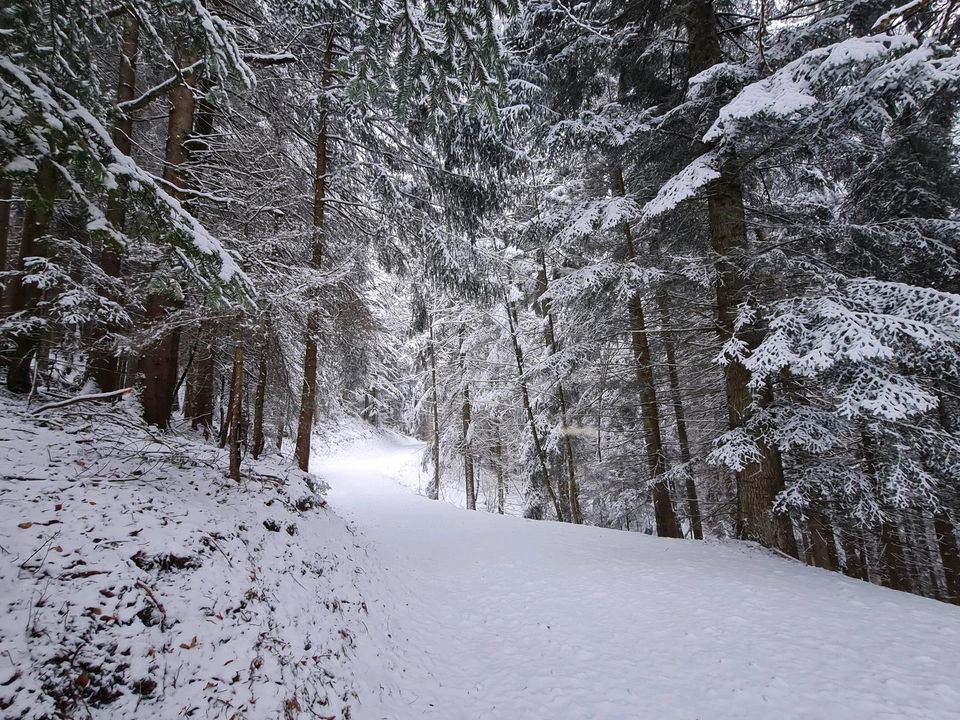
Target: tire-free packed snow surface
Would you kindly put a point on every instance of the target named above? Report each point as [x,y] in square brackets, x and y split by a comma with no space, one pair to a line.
[498,617]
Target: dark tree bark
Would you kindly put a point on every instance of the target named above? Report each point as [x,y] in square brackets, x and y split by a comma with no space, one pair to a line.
[236,404]
[501,475]
[6,202]
[104,361]
[159,359]
[202,379]
[465,411]
[308,395]
[893,571]
[538,448]
[680,417]
[571,492]
[771,466]
[433,489]
[728,234]
[24,296]
[944,527]
[854,564]
[179,128]
[949,555]
[122,130]
[893,564]
[823,543]
[158,363]
[259,401]
[666,516]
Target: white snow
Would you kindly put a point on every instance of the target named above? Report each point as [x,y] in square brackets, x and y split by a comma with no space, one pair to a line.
[498,617]
[411,609]
[791,89]
[684,185]
[136,581]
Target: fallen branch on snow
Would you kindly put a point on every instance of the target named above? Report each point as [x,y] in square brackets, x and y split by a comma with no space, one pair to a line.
[83,398]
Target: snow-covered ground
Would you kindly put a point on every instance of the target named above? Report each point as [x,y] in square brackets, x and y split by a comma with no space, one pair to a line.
[491,617]
[136,581]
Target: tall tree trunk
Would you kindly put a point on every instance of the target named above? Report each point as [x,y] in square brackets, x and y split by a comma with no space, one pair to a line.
[465,438]
[226,422]
[949,555]
[236,403]
[159,358]
[258,440]
[772,468]
[122,132]
[538,448]
[572,491]
[203,377]
[893,565]
[24,296]
[666,517]
[158,363]
[308,395]
[6,202]
[104,361]
[501,479]
[680,417]
[822,540]
[467,452]
[854,564]
[728,234]
[433,490]
[944,527]
[894,573]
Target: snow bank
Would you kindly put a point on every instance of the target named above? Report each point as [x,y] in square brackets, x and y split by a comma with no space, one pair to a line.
[137,581]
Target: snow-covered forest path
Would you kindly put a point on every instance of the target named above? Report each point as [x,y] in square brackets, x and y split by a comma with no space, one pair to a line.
[501,618]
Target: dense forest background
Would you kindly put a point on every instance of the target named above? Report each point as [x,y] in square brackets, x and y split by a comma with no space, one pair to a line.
[678,266]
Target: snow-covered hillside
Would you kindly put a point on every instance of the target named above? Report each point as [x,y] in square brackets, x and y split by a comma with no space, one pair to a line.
[504,618]
[138,582]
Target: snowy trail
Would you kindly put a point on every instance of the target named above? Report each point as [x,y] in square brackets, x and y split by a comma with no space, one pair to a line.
[498,617]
